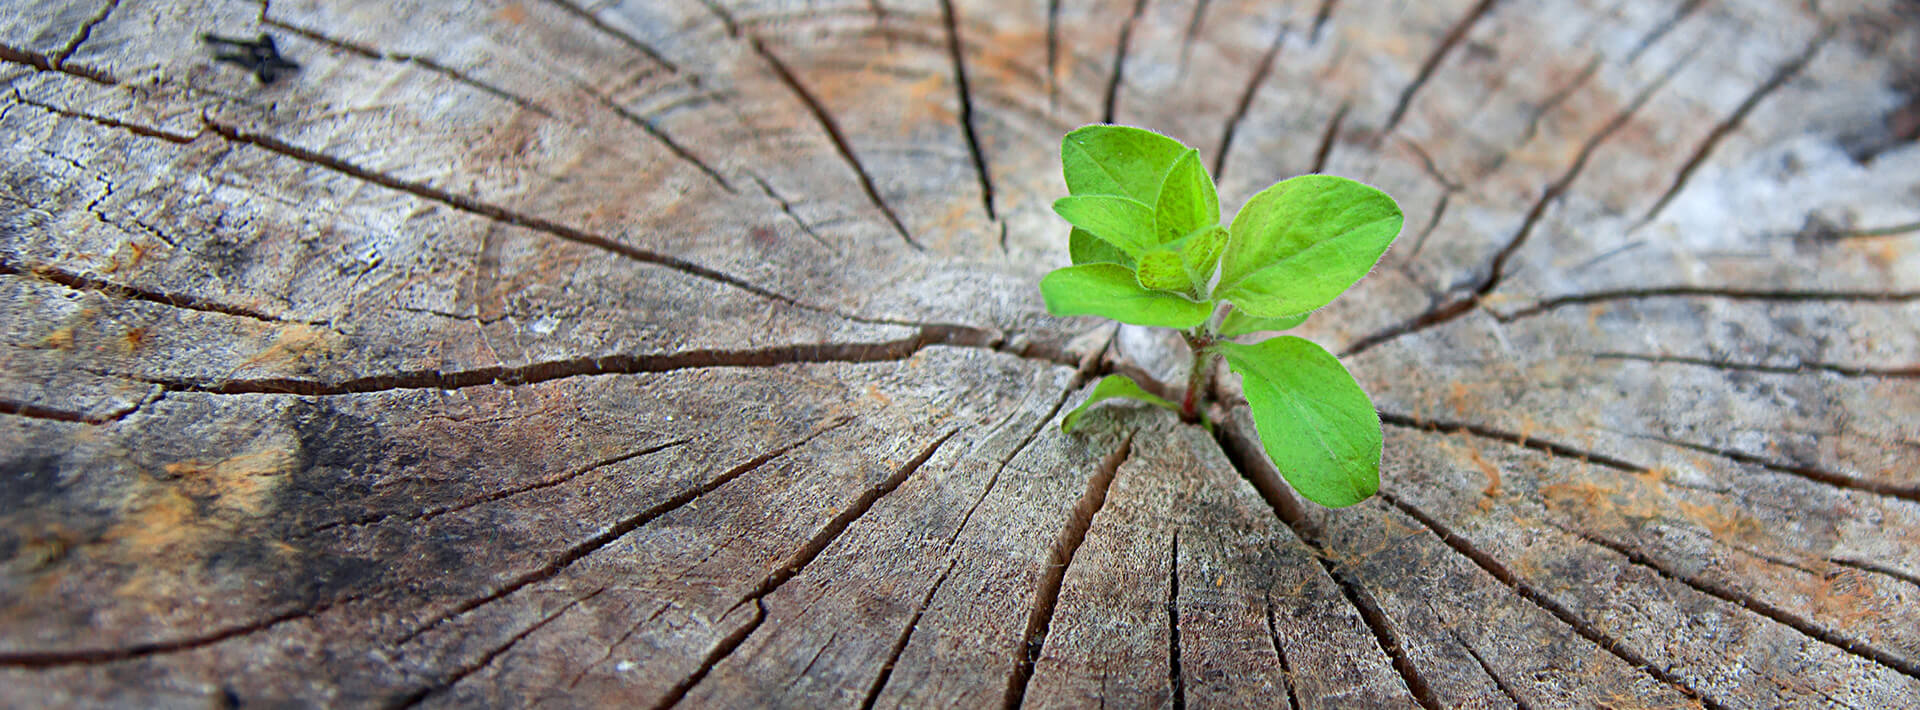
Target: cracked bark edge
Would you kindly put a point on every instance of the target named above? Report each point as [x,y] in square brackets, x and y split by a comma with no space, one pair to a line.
[1047,593]
[96,656]
[1246,98]
[1727,126]
[1806,627]
[839,140]
[1112,101]
[792,567]
[955,51]
[1432,64]
[1500,572]
[620,529]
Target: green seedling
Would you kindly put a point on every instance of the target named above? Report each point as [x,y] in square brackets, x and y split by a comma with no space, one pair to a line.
[1148,249]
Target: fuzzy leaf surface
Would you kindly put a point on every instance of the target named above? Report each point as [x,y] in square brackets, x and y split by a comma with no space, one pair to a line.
[1297,245]
[1114,387]
[1314,420]
[1111,290]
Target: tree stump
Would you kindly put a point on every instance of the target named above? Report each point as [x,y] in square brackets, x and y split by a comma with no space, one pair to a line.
[641,353]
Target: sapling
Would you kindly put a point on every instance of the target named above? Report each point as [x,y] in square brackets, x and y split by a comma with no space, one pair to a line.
[1148,248]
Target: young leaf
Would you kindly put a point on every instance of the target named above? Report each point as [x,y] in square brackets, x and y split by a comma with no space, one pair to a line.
[1124,222]
[1111,387]
[1111,290]
[1085,248]
[1201,255]
[1187,199]
[1163,271]
[1298,244]
[1238,322]
[1314,421]
[1117,160]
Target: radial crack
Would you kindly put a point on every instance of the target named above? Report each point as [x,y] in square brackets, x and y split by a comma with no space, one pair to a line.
[1780,77]
[1320,18]
[1817,475]
[1499,570]
[52,659]
[679,151]
[86,31]
[1280,652]
[1264,68]
[1329,137]
[107,288]
[43,62]
[1722,292]
[1443,426]
[618,34]
[1176,681]
[620,529]
[832,129]
[1803,368]
[134,128]
[1806,627]
[906,636]
[1498,682]
[955,51]
[793,565]
[367,52]
[1054,574]
[1661,30]
[486,659]
[1112,102]
[787,207]
[1454,35]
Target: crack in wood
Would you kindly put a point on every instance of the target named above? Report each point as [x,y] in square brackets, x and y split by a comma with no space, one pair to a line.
[620,529]
[906,636]
[97,656]
[417,697]
[1786,72]
[1804,367]
[1836,479]
[1112,101]
[1241,450]
[955,51]
[80,282]
[1280,652]
[1679,14]
[1260,73]
[1192,34]
[726,17]
[1721,292]
[839,140]
[1320,18]
[1443,426]
[1329,137]
[787,207]
[43,62]
[793,566]
[1176,681]
[1525,590]
[1806,627]
[1876,568]
[591,366]
[378,55]
[499,495]
[1498,682]
[616,33]
[1470,298]
[1054,574]
[679,151]
[37,411]
[1453,37]
[134,128]
[1053,55]
[85,32]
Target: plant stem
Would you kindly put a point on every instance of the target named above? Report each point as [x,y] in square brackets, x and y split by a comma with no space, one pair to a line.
[1198,379]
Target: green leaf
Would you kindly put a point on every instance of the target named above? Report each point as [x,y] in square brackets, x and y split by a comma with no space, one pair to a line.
[1187,201]
[1111,290]
[1238,322]
[1112,387]
[1200,255]
[1314,421]
[1124,222]
[1298,244]
[1163,270]
[1117,160]
[1084,248]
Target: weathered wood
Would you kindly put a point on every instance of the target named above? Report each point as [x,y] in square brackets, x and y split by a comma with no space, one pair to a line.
[688,353]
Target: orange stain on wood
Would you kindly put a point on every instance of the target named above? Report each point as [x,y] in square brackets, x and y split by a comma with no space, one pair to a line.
[512,13]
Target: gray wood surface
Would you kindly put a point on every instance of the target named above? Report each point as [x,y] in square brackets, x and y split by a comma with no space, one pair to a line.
[648,353]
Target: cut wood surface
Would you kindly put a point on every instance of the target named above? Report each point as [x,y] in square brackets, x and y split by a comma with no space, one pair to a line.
[647,353]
